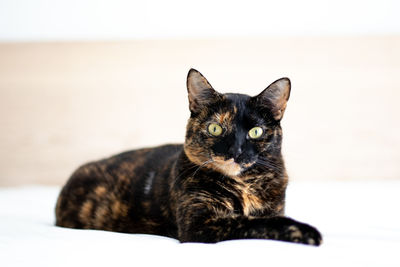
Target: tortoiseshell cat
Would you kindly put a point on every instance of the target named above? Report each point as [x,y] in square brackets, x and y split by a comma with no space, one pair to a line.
[227,181]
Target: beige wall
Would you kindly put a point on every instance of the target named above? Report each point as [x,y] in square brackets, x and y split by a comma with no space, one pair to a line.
[62,104]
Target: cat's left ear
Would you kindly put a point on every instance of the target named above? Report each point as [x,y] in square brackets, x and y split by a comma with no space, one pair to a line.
[275,97]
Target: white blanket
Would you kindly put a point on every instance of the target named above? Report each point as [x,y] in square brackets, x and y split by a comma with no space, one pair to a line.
[360,223]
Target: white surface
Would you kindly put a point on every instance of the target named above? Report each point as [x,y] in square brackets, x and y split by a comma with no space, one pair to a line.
[36,20]
[360,223]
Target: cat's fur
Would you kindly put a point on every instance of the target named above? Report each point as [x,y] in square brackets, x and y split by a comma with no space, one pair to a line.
[209,189]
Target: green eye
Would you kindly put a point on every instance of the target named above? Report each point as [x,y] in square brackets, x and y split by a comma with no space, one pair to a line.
[255,132]
[214,129]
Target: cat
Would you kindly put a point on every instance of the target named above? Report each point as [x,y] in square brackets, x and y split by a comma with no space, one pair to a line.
[227,181]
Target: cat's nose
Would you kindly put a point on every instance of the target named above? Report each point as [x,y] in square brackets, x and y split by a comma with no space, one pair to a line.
[235,152]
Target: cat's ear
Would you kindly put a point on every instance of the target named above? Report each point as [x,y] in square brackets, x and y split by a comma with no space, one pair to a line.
[200,91]
[275,97]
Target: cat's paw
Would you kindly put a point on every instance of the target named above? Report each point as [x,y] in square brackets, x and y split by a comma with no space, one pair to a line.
[287,229]
[301,233]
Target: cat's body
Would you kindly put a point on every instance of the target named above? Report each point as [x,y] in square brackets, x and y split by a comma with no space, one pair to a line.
[227,181]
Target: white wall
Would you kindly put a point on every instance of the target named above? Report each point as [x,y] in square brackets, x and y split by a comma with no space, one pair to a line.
[36,20]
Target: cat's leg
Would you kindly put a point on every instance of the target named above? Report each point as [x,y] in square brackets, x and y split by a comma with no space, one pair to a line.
[203,225]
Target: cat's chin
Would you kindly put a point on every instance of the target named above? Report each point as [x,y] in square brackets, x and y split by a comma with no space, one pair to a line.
[228,167]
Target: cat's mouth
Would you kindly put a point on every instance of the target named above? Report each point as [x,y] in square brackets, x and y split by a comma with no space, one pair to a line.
[228,167]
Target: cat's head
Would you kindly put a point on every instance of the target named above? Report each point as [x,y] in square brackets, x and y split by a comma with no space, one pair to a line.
[233,133]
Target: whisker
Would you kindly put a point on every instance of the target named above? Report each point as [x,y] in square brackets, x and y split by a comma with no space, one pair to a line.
[192,167]
[268,164]
[185,171]
[202,165]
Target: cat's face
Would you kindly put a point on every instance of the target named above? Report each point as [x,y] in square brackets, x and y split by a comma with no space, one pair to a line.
[232,133]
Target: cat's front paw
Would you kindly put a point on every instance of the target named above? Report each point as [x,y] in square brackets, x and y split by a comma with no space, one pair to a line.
[301,233]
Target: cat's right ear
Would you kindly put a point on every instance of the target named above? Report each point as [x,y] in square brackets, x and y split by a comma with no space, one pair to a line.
[200,91]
